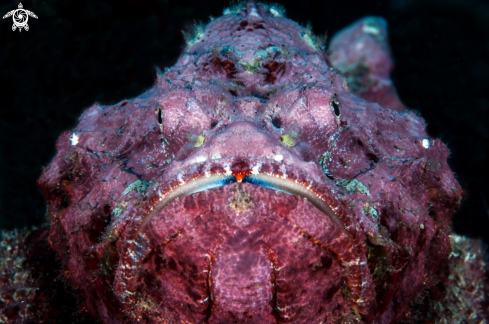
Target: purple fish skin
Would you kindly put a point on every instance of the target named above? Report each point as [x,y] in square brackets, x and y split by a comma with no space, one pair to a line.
[168,208]
[361,50]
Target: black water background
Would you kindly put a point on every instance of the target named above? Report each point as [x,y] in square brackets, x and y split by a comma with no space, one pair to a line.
[81,52]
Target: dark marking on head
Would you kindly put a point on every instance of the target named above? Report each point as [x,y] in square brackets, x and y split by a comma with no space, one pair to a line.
[373,157]
[277,122]
[273,68]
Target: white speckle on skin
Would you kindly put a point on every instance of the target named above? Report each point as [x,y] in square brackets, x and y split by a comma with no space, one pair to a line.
[274,12]
[216,156]
[284,171]
[200,159]
[371,29]
[309,41]
[278,157]
[421,226]
[255,169]
[426,143]
[254,12]
[74,139]
[228,170]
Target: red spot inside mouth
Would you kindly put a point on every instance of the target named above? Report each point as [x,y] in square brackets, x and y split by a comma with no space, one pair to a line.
[240,175]
[240,169]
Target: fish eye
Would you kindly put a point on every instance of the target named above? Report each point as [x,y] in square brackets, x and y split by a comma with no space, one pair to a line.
[335,106]
[159,117]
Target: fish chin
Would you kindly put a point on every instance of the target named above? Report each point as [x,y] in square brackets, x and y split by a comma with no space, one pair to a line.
[245,237]
[242,241]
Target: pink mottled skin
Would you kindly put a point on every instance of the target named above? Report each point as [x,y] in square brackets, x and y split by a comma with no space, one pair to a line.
[362,51]
[360,231]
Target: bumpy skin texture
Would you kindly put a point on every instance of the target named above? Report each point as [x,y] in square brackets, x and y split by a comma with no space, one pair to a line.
[254,105]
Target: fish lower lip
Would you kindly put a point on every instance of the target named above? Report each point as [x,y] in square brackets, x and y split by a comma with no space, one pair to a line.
[286,185]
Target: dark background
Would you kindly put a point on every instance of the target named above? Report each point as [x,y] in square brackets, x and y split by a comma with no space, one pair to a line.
[81,52]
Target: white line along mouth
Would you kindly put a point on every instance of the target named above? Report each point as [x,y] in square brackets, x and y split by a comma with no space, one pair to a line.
[287,185]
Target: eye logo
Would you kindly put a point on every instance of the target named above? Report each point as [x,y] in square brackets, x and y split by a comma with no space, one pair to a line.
[20,17]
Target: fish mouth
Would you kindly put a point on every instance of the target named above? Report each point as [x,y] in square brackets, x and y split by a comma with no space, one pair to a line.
[272,176]
[278,183]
